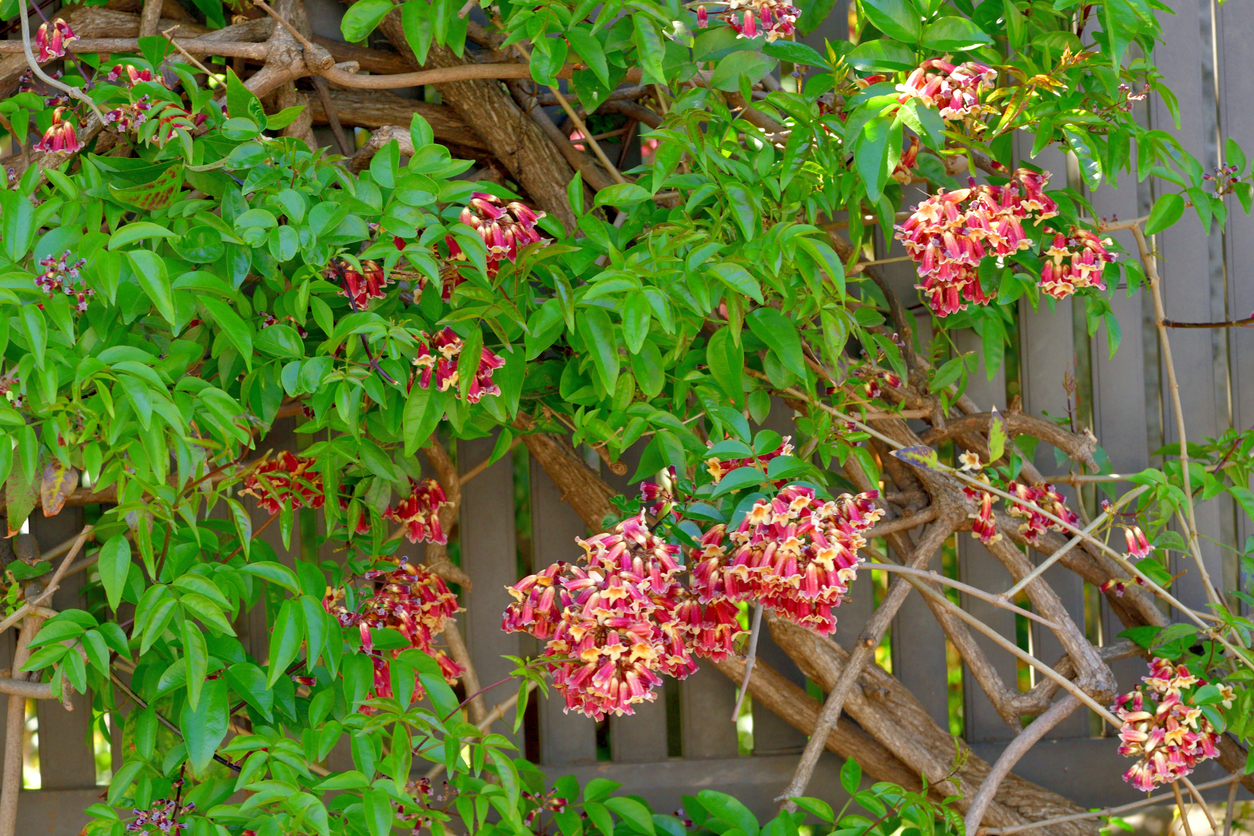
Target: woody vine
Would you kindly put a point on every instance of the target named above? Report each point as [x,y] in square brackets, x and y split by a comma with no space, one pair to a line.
[186,269]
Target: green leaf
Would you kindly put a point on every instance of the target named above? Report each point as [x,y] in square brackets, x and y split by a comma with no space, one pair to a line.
[738,279]
[115,565]
[779,332]
[636,320]
[730,69]
[249,682]
[285,639]
[205,725]
[649,49]
[726,361]
[795,52]
[882,55]
[274,573]
[728,809]
[196,655]
[589,49]
[621,194]
[377,805]
[850,776]
[895,18]
[423,410]
[954,33]
[741,477]
[151,273]
[1090,162]
[36,332]
[1167,210]
[634,813]
[598,335]
[138,231]
[363,17]
[871,157]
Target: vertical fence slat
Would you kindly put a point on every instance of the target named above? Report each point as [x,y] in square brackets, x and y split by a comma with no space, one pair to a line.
[490,557]
[1187,265]
[66,759]
[564,738]
[1236,91]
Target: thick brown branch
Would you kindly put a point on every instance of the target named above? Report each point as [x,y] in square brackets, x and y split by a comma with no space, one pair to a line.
[378,109]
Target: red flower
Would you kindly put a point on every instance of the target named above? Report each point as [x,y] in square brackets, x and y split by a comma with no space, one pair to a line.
[133,76]
[51,42]
[283,479]
[60,275]
[776,19]
[360,286]
[504,227]
[1045,497]
[420,512]
[438,357]
[60,136]
[410,600]
[1138,546]
[718,468]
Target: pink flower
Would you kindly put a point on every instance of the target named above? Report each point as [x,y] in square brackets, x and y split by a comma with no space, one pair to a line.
[1167,735]
[953,90]
[283,479]
[51,42]
[60,136]
[420,512]
[718,468]
[1045,497]
[1074,262]
[60,275]
[703,17]
[777,19]
[612,628]
[1138,546]
[133,76]
[794,553]
[948,235]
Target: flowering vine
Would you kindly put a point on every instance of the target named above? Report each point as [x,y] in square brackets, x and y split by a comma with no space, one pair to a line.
[285,479]
[439,356]
[420,512]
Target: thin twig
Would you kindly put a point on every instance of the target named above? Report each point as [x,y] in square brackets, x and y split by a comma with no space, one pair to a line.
[1231,808]
[65,564]
[1233,780]
[497,712]
[1214,825]
[1160,316]
[755,630]
[169,36]
[936,577]
[1184,814]
[162,720]
[72,92]
[1229,323]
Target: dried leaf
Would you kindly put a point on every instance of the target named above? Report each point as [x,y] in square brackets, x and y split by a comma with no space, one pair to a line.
[58,482]
[154,195]
[920,457]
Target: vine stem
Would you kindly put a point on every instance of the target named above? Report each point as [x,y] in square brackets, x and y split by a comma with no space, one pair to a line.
[11,782]
[754,631]
[936,577]
[1160,318]
[1184,814]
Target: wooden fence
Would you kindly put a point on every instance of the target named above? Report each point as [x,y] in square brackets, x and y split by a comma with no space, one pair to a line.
[685,741]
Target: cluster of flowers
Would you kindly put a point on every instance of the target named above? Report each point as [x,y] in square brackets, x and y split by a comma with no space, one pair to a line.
[410,600]
[62,276]
[718,468]
[948,235]
[1073,262]
[750,18]
[420,512]
[161,817]
[504,227]
[360,286]
[1225,178]
[285,478]
[51,39]
[170,116]
[873,381]
[1168,736]
[952,89]
[438,357]
[618,622]
[794,553]
[984,527]
[60,135]
[1044,496]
